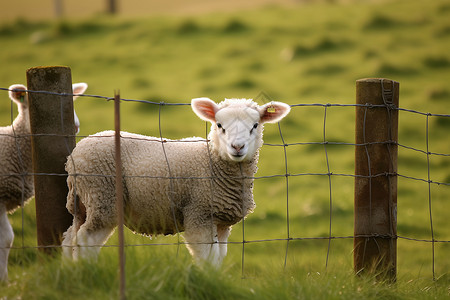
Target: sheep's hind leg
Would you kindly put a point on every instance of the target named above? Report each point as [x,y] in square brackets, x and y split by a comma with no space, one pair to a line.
[69,241]
[89,242]
[70,236]
[6,241]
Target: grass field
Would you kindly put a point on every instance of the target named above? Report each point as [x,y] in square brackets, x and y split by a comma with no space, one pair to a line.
[310,53]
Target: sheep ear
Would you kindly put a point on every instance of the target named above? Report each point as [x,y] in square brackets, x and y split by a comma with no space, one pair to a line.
[17,93]
[205,109]
[273,112]
[79,88]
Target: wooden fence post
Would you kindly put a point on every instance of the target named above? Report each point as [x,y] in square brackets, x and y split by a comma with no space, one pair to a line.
[52,140]
[375,241]
[112,6]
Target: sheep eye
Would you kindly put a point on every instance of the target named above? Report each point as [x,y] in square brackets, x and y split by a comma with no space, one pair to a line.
[254,127]
[220,126]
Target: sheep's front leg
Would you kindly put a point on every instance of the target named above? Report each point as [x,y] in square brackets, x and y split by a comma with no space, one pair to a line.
[223,232]
[203,244]
[6,241]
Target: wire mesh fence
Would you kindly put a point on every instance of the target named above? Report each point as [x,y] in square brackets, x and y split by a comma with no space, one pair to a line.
[286,172]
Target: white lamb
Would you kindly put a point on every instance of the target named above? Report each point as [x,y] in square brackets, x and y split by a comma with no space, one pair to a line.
[203,188]
[16,185]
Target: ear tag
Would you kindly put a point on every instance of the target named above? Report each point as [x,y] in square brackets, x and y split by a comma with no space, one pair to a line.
[271,109]
[21,95]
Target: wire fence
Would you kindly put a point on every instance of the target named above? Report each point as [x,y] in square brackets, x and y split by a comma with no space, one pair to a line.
[329,174]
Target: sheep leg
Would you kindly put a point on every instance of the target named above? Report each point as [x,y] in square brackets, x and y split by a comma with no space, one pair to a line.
[69,241]
[66,243]
[6,241]
[202,243]
[89,242]
[69,237]
[223,233]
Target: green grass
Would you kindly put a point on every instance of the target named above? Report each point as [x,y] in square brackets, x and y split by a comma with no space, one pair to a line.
[153,275]
[311,53]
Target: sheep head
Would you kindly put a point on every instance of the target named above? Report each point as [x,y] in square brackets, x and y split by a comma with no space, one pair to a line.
[18,94]
[237,124]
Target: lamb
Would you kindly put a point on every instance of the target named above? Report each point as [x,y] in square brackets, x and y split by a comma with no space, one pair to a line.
[15,158]
[202,188]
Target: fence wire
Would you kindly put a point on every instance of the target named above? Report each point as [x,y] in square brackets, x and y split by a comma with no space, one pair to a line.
[287,175]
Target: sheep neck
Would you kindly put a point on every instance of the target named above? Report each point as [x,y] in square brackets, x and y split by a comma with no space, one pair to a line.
[21,130]
[233,188]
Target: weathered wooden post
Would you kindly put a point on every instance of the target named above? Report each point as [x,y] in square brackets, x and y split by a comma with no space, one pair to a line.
[59,10]
[375,242]
[112,6]
[52,140]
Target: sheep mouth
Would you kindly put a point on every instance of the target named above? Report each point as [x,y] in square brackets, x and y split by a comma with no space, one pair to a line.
[237,157]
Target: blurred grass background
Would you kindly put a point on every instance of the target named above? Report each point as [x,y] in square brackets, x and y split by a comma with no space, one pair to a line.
[305,52]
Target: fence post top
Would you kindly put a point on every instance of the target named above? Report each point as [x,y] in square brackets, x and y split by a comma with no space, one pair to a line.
[374,80]
[47,68]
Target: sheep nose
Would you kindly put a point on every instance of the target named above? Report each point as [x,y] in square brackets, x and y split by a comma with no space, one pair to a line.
[238,148]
